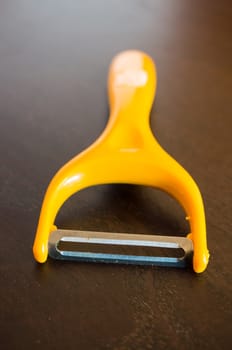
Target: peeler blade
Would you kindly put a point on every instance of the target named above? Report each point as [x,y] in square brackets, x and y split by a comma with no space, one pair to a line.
[101,240]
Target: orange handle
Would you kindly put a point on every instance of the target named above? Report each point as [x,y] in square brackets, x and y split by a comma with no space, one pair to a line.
[131,90]
[131,85]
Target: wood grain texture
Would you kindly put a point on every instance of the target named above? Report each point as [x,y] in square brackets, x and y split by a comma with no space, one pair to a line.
[54,58]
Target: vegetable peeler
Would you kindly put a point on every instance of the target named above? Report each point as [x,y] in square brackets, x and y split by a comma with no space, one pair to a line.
[126,152]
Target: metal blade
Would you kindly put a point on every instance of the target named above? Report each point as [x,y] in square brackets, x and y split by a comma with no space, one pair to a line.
[119,239]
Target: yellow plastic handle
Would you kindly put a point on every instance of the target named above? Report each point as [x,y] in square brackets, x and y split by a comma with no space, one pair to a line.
[126,152]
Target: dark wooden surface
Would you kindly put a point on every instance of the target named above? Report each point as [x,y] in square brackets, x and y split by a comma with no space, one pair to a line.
[54,58]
